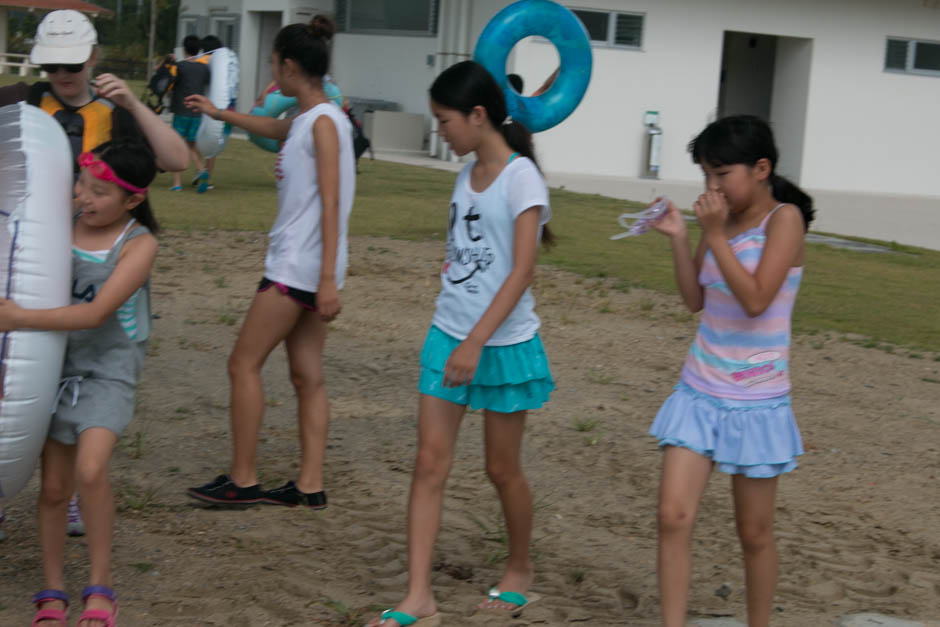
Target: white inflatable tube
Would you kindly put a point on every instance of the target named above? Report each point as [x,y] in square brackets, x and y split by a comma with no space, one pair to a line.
[35,272]
[223,92]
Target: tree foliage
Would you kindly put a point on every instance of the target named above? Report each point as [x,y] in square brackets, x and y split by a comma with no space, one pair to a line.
[124,35]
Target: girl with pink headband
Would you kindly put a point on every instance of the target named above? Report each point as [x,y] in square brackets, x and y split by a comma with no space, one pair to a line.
[108,323]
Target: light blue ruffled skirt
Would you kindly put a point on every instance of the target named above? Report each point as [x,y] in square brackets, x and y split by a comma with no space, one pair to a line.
[508,378]
[757,439]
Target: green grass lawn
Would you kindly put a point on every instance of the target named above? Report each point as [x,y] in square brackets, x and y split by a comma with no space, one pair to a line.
[9,79]
[888,298]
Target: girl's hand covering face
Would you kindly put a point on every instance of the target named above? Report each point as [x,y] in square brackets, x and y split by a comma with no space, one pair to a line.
[711,209]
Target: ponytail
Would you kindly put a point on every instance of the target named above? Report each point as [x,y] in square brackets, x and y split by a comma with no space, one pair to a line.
[468,84]
[519,138]
[144,214]
[785,191]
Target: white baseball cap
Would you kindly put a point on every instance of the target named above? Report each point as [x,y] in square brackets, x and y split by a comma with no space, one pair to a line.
[65,36]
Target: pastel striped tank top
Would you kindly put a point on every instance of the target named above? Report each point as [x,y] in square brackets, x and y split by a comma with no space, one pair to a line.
[735,356]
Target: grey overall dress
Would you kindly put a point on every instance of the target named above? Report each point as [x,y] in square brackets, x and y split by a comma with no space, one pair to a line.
[102,365]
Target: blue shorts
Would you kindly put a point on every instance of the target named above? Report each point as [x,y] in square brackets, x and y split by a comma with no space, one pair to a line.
[187,126]
[508,378]
[757,439]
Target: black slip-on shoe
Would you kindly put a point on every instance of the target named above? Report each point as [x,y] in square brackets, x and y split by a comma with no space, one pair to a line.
[223,491]
[289,495]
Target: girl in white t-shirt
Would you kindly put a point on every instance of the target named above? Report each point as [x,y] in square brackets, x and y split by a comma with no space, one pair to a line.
[483,348]
[305,265]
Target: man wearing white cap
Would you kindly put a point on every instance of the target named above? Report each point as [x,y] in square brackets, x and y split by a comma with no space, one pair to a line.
[91,112]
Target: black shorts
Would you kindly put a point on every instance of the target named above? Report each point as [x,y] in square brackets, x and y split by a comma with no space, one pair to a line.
[307,300]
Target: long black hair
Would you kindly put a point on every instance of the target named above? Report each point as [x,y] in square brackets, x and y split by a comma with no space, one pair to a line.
[133,162]
[747,139]
[307,44]
[468,84]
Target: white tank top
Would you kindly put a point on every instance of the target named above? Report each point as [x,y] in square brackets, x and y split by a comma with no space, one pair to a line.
[296,240]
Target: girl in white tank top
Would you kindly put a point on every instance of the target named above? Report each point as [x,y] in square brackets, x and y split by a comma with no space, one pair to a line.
[306,262]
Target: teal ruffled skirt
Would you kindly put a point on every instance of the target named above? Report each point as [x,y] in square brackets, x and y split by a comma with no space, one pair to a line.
[508,378]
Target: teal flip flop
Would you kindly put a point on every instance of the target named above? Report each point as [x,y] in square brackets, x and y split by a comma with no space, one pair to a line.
[203,182]
[513,598]
[407,619]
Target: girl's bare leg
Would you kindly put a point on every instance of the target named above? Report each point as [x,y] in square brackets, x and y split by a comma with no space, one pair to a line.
[95,446]
[754,501]
[305,353]
[685,475]
[56,486]
[503,435]
[438,425]
[270,319]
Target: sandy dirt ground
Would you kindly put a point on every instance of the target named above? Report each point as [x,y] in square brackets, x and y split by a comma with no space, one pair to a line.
[858,523]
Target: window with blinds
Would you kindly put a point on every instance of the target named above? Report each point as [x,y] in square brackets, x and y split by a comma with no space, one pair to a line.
[612,28]
[628,30]
[912,56]
[402,17]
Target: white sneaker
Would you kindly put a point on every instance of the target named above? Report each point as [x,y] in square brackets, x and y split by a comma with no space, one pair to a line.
[76,526]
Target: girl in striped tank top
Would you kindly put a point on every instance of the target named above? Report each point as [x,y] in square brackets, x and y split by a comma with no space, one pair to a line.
[731,407]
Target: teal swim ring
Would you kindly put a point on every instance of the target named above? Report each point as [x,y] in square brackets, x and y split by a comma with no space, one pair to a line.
[561,27]
[277,104]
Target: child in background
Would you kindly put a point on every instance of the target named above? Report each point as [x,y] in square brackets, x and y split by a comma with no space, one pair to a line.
[483,349]
[731,407]
[192,78]
[113,251]
[203,179]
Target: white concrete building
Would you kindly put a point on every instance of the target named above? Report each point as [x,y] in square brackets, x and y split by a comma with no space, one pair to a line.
[851,87]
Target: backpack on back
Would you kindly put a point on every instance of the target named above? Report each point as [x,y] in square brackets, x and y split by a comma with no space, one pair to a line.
[160,85]
[361,143]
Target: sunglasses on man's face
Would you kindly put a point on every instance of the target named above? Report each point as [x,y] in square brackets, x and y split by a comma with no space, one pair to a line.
[71,68]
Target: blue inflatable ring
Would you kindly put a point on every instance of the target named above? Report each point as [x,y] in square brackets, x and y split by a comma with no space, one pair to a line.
[275,105]
[561,27]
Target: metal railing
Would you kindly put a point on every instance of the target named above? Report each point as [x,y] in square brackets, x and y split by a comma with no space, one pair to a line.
[13,63]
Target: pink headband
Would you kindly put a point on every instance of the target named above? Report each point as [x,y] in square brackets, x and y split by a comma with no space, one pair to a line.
[102,171]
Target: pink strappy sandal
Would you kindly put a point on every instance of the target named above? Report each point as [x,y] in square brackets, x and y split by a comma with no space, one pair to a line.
[50,614]
[109,618]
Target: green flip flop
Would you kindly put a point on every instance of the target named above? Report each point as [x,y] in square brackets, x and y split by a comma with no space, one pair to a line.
[407,619]
[513,598]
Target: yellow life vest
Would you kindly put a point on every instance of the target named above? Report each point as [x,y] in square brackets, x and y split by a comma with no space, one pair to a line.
[87,126]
